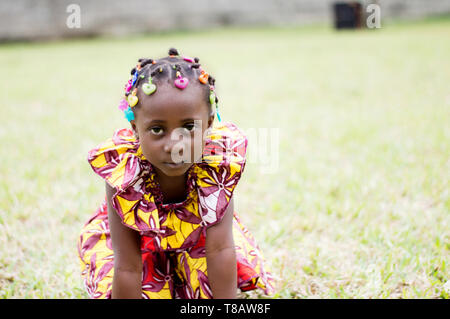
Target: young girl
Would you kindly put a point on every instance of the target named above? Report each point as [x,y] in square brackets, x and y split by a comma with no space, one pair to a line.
[167,228]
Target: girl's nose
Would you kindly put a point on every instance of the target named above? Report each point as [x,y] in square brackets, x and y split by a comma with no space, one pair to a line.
[168,145]
[171,145]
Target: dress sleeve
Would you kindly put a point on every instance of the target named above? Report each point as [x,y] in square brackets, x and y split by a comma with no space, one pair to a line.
[115,160]
[222,165]
[119,161]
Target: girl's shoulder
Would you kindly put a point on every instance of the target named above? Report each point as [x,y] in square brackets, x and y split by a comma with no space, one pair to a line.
[119,159]
[225,145]
[223,162]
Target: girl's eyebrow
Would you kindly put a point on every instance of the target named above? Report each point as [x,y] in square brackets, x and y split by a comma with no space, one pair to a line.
[162,121]
[154,122]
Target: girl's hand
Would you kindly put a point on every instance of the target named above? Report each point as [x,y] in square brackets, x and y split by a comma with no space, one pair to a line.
[221,257]
[127,281]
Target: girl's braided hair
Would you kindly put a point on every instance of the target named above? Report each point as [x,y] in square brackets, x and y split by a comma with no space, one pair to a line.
[170,69]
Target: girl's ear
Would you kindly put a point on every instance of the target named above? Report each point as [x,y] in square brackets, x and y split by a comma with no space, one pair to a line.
[210,120]
[133,127]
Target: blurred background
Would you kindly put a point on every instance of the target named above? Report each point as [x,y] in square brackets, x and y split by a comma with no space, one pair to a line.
[357,205]
[28,19]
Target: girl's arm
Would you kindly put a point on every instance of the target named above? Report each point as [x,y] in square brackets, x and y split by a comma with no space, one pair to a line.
[221,257]
[127,280]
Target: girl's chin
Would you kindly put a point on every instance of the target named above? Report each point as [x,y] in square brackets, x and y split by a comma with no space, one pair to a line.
[171,169]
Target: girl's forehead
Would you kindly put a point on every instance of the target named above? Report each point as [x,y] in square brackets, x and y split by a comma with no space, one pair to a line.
[169,103]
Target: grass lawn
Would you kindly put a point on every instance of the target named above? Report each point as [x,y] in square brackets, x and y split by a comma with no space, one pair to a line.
[358,207]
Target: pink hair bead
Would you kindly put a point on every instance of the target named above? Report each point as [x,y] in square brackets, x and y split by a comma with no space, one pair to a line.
[188,59]
[128,86]
[181,83]
[123,105]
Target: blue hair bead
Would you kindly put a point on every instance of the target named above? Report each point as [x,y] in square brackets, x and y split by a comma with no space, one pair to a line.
[218,115]
[135,77]
[129,115]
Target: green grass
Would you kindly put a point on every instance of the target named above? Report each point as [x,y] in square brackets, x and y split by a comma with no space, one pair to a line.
[359,206]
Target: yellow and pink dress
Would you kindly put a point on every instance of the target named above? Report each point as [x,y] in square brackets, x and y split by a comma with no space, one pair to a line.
[172,235]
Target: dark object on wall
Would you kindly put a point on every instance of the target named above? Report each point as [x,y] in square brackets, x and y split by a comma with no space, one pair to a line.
[347,15]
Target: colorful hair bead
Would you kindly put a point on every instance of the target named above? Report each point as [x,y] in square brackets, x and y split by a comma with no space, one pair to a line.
[129,115]
[181,82]
[132,98]
[218,115]
[135,77]
[149,88]
[188,59]
[212,98]
[128,86]
[203,78]
[123,105]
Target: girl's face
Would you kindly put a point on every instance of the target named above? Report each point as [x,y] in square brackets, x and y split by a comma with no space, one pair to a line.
[164,124]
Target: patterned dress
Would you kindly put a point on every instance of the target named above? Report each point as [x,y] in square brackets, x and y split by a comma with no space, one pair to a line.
[172,235]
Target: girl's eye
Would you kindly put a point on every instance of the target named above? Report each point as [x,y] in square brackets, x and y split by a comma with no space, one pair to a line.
[189,126]
[156,130]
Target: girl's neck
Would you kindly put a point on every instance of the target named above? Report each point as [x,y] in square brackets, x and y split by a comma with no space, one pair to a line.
[173,188]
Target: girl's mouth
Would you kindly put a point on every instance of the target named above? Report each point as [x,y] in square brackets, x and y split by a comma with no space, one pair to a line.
[173,165]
